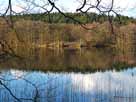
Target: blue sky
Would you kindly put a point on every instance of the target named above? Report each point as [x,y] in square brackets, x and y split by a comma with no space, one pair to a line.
[127,7]
[124,7]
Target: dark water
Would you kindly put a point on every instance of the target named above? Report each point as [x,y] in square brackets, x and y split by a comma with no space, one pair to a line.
[68,60]
[94,75]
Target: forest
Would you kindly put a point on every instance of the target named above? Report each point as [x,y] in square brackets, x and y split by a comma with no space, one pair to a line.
[84,18]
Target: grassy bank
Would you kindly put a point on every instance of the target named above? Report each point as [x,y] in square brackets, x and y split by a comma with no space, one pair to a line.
[30,33]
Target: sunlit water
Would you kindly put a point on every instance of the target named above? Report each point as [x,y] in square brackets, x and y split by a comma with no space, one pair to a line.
[109,86]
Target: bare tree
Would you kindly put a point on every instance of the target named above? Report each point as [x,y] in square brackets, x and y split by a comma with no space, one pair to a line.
[46,7]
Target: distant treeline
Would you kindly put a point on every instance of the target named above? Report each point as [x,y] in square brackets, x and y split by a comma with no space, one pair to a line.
[57,31]
[84,18]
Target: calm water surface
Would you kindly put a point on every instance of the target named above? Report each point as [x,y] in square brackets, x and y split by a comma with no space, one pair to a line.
[36,86]
[68,76]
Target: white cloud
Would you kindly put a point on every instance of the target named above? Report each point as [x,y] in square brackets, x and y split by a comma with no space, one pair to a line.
[121,6]
[101,81]
[17,9]
[127,7]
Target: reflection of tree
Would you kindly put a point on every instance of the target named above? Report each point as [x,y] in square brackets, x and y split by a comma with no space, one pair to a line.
[11,93]
[40,91]
[89,60]
[67,87]
[4,83]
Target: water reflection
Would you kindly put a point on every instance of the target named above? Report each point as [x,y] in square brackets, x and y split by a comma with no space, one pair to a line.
[69,60]
[109,86]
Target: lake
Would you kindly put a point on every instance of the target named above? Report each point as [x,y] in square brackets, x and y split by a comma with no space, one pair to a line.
[68,75]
